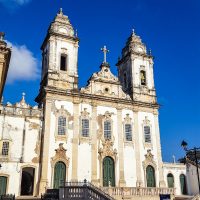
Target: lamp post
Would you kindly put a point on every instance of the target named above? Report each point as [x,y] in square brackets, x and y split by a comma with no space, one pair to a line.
[193,155]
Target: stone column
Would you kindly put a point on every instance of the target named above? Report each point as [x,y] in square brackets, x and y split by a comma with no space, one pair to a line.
[75,142]
[45,147]
[94,145]
[160,163]
[122,182]
[138,163]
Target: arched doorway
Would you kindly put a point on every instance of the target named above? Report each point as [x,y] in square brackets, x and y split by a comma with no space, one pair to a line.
[150,176]
[59,174]
[27,181]
[108,172]
[183,184]
[3,185]
[170,180]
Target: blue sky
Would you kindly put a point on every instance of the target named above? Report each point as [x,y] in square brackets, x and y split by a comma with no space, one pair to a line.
[171,28]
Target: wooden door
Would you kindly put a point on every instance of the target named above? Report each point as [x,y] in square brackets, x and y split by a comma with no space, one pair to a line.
[108,172]
[59,174]
[3,185]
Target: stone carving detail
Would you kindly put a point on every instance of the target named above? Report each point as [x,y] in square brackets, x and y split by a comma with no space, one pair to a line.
[107,150]
[149,160]
[60,155]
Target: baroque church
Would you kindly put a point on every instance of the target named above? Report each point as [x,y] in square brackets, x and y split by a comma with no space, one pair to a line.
[106,132]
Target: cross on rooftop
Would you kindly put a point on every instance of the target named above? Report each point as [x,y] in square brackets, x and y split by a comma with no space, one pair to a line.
[105,51]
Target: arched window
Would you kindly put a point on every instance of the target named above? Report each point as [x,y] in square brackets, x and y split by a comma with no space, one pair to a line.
[63,62]
[150,176]
[183,184]
[85,127]
[107,130]
[170,180]
[5,149]
[147,134]
[61,125]
[128,132]
[143,77]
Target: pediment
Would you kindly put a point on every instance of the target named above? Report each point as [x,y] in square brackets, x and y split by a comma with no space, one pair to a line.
[104,83]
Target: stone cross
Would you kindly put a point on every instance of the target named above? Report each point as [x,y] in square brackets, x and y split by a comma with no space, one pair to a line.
[105,51]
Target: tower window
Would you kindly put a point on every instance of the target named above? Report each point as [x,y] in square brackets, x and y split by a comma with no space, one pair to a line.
[5,148]
[63,62]
[143,77]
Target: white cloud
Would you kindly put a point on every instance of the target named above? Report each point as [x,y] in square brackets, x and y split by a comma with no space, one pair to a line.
[23,65]
[13,4]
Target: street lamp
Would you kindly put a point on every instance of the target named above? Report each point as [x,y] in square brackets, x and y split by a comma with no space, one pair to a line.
[192,155]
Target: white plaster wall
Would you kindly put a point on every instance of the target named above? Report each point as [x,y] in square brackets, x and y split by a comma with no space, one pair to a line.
[130,166]
[84,162]
[192,179]
[71,52]
[176,169]
[13,168]
[139,61]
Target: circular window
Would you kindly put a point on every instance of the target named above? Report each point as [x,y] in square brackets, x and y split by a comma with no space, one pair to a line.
[105,70]
[106,89]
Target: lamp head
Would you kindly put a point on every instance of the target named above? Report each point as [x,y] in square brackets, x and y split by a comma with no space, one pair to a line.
[184,145]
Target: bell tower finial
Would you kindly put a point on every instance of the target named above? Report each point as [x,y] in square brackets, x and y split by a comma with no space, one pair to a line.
[61,11]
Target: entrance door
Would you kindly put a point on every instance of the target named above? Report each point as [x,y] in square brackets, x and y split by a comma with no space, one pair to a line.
[108,172]
[150,176]
[59,174]
[3,185]
[27,181]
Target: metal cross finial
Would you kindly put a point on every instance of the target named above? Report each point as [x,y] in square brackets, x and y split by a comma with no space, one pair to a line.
[133,30]
[105,51]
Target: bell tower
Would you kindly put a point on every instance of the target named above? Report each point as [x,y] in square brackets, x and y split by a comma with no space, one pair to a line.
[135,70]
[60,55]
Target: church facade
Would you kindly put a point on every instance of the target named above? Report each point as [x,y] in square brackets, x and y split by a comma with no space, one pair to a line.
[106,132]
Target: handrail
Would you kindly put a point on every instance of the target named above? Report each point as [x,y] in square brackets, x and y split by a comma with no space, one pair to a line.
[89,186]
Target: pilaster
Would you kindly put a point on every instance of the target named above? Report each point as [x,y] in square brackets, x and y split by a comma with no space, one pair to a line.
[138,163]
[75,142]
[122,182]
[160,163]
[45,151]
[94,145]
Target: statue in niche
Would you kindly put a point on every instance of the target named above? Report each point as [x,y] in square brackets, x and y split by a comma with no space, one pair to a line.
[143,77]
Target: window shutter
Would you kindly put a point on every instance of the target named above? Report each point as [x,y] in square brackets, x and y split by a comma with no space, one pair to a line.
[85,127]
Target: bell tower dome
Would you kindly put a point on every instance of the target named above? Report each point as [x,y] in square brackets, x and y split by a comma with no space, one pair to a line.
[60,55]
[135,70]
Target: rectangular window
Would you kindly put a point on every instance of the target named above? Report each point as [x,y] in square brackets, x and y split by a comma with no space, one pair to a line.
[128,132]
[85,127]
[61,125]
[107,130]
[5,148]
[147,134]
[63,63]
